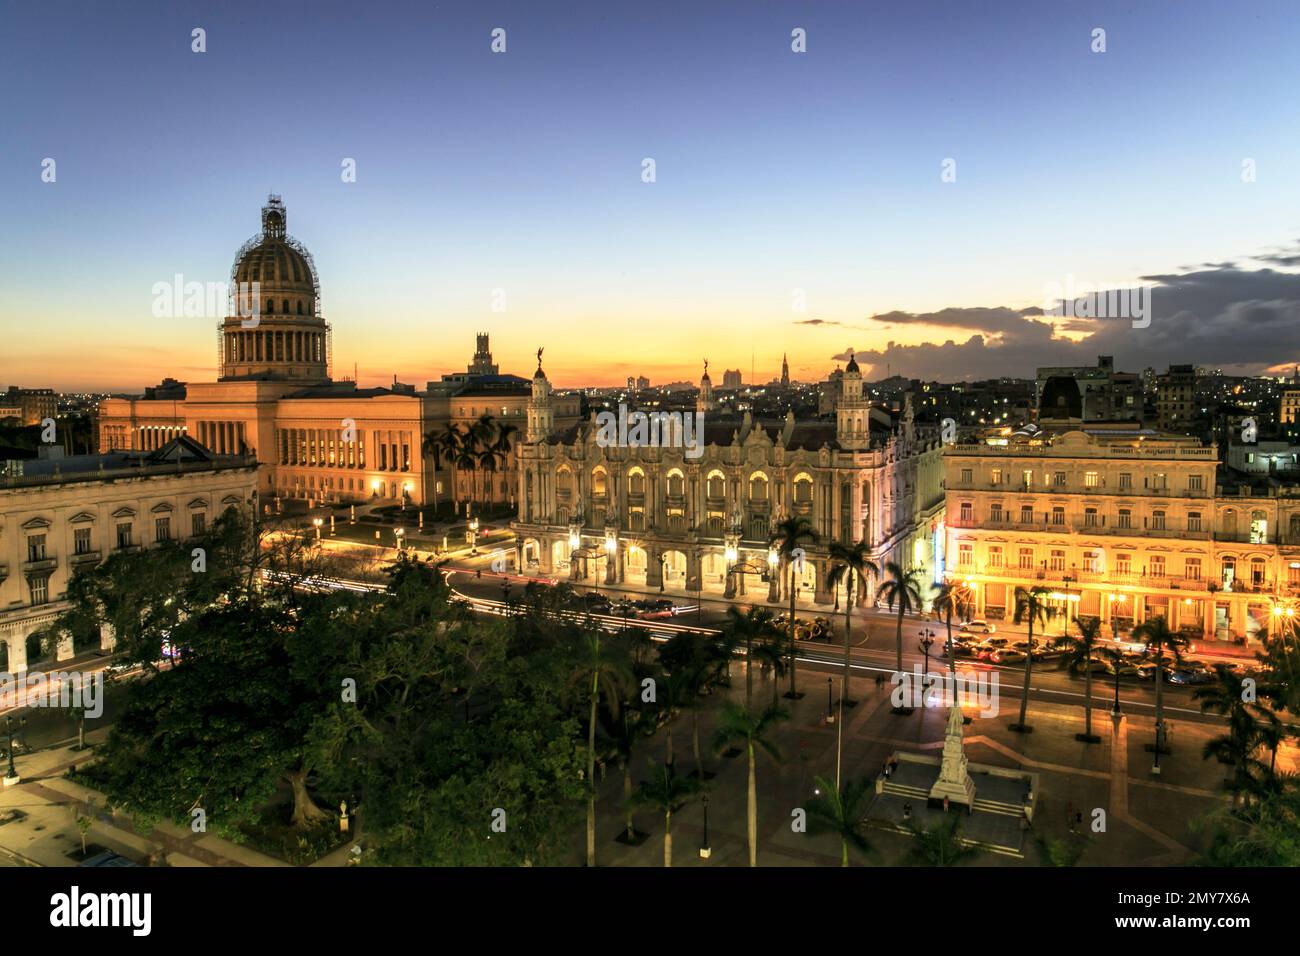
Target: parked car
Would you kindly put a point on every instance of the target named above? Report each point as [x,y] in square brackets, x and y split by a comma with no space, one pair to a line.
[1190,676]
[1008,655]
[977,626]
[1098,665]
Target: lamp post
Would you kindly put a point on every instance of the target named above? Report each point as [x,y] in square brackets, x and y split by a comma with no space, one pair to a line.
[830,701]
[473,535]
[927,641]
[663,570]
[317,522]
[399,533]
[11,777]
[705,850]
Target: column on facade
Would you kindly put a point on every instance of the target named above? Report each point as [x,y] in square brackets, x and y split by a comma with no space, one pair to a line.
[693,570]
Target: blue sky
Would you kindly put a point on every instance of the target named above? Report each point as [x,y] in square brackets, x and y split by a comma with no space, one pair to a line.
[776,171]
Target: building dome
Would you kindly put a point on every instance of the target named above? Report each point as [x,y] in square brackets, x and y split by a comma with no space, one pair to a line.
[853,363]
[274,330]
[279,264]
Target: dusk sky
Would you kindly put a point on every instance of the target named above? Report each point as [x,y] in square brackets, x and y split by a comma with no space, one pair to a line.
[775,172]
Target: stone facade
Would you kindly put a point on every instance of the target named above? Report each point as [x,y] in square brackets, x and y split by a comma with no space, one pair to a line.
[660,517]
[66,513]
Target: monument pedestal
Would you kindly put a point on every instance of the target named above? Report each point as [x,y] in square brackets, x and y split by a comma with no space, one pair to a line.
[954,777]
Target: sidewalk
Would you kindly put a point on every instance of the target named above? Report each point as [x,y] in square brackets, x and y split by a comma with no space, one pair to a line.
[50,804]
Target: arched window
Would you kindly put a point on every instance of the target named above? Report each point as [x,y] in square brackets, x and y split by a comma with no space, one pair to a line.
[676,484]
[598,482]
[300,306]
[285,309]
[717,486]
[270,307]
[757,487]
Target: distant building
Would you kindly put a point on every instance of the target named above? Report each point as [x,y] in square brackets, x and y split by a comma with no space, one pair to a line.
[1176,398]
[642,383]
[1289,407]
[731,378]
[1088,393]
[31,406]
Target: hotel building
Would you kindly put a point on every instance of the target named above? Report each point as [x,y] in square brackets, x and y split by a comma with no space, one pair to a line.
[1122,523]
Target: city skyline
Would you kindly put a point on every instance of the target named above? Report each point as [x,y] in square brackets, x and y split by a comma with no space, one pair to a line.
[478,172]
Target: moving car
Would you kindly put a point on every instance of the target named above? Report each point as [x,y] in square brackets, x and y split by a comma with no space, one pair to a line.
[1194,675]
[977,626]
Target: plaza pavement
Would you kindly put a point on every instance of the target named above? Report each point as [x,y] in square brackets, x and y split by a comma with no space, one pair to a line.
[1147,817]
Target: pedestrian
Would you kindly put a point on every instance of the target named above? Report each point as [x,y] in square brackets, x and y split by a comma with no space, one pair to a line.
[907,812]
[945,804]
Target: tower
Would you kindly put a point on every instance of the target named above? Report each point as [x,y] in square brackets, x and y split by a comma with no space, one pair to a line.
[541,416]
[852,414]
[482,363]
[785,372]
[705,403]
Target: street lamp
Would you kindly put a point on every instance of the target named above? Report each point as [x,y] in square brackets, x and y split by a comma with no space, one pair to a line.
[927,640]
[705,850]
[11,777]
[317,522]
[473,535]
[399,533]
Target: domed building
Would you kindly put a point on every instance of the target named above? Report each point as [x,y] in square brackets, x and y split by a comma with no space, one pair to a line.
[275,329]
[315,438]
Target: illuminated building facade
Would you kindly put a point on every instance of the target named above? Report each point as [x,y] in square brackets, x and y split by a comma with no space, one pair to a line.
[660,517]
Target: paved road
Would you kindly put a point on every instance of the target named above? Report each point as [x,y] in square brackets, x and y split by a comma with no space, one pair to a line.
[874,652]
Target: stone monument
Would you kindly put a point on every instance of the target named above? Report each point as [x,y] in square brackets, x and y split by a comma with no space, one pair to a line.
[954,779]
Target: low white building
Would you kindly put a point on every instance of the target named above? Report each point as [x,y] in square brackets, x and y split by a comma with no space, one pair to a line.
[59,514]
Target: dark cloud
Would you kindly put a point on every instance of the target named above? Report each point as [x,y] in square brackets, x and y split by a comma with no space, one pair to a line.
[1289,257]
[1244,321]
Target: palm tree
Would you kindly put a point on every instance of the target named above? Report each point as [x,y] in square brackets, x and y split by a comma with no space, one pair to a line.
[948,600]
[1077,653]
[667,793]
[1229,696]
[674,690]
[1155,634]
[939,845]
[1031,607]
[622,733]
[842,811]
[607,671]
[694,658]
[788,537]
[431,447]
[738,723]
[901,589]
[752,626]
[449,444]
[769,654]
[850,563]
